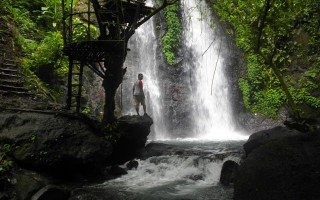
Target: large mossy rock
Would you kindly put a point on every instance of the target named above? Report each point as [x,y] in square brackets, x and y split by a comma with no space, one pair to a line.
[262,137]
[27,184]
[133,135]
[57,144]
[285,168]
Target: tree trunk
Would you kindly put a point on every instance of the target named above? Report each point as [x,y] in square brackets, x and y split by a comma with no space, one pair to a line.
[113,78]
[293,108]
[109,105]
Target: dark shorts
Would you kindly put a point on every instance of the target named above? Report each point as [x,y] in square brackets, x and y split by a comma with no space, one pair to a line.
[137,99]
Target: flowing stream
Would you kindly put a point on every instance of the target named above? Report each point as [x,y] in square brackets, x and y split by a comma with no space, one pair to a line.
[184,168]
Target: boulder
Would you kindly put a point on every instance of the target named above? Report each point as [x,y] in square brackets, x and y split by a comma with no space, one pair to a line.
[133,135]
[51,193]
[196,177]
[262,137]
[4,196]
[286,168]
[133,164]
[117,171]
[55,143]
[27,184]
[160,149]
[228,172]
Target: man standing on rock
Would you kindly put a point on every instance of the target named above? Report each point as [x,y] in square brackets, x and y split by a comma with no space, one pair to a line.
[138,95]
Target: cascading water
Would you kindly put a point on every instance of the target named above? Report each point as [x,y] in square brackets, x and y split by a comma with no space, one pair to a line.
[209,96]
[182,168]
[209,86]
[143,59]
[185,170]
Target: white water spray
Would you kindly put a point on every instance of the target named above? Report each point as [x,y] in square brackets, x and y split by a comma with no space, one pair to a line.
[143,59]
[209,96]
[209,86]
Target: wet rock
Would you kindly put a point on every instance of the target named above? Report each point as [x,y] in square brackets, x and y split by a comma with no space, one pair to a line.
[28,183]
[179,152]
[133,164]
[286,168]
[4,196]
[97,194]
[228,172]
[160,149]
[133,135]
[51,193]
[196,177]
[303,125]
[117,171]
[262,137]
[85,197]
[58,144]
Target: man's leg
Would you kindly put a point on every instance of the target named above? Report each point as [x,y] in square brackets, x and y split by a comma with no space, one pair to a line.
[143,103]
[136,104]
[145,109]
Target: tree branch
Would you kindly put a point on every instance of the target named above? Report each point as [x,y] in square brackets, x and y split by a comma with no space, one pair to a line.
[269,61]
[263,23]
[136,25]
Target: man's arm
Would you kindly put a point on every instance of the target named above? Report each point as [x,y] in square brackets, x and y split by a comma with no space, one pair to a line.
[132,89]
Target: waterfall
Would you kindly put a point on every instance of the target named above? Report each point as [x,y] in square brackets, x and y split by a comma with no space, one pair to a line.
[142,58]
[209,96]
[205,54]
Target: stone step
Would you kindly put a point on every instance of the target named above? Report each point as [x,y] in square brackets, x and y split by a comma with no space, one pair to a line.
[9,65]
[7,93]
[12,88]
[9,71]
[11,82]
[7,76]
[6,60]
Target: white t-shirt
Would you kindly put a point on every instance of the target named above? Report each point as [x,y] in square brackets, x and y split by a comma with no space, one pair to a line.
[137,89]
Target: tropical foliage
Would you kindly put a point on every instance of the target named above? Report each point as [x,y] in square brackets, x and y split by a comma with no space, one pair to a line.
[282,47]
[39,37]
[171,39]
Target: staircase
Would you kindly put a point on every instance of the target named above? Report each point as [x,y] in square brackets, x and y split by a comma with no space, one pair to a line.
[11,82]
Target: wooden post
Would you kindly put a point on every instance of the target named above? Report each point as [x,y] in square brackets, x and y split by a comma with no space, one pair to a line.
[79,88]
[69,83]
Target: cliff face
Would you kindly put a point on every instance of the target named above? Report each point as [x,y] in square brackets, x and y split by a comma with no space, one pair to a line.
[177,82]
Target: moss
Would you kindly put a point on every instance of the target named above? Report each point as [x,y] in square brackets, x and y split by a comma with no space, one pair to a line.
[171,39]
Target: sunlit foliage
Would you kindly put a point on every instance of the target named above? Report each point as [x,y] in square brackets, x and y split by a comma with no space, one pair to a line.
[171,39]
[38,34]
[281,40]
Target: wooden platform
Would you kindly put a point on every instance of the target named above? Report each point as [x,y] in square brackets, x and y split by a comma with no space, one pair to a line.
[94,51]
[129,10]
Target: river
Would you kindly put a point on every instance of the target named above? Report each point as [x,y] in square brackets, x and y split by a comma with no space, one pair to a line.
[174,169]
